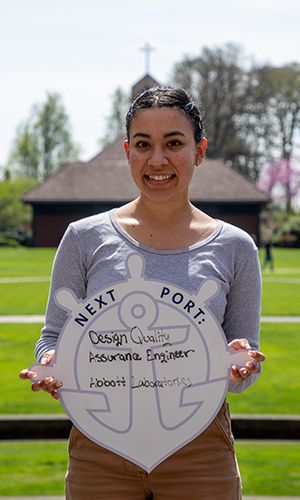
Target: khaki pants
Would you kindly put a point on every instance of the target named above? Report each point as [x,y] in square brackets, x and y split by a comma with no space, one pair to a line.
[204,469]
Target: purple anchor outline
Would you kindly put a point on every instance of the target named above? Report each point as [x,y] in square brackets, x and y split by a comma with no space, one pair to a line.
[164,439]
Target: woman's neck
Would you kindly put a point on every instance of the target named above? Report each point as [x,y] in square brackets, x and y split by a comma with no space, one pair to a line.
[161,214]
[165,227]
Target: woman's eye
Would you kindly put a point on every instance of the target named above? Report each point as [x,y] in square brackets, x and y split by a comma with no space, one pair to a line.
[175,142]
[142,144]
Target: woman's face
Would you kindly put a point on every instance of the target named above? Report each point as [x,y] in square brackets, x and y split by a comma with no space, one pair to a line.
[162,153]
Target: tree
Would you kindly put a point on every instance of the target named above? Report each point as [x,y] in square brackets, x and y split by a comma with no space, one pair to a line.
[218,81]
[281,180]
[251,115]
[280,88]
[115,122]
[279,227]
[26,155]
[43,143]
[277,96]
[15,217]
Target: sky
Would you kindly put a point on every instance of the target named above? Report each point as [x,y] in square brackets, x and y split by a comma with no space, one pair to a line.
[85,49]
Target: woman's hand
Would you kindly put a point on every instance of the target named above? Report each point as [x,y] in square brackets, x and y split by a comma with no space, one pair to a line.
[241,374]
[47,385]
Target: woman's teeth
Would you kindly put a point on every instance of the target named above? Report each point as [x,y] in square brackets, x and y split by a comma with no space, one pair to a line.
[159,177]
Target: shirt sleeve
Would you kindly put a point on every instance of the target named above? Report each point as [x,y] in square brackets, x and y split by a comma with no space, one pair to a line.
[242,316]
[69,271]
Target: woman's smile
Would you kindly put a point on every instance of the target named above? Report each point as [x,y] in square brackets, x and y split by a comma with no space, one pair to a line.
[159,177]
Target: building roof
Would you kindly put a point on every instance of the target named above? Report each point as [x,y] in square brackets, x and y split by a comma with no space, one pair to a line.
[106,177]
[147,82]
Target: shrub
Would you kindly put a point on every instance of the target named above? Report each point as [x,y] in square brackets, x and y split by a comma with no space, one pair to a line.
[15,216]
[279,227]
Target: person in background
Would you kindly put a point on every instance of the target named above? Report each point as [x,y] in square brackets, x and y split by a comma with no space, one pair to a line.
[268,257]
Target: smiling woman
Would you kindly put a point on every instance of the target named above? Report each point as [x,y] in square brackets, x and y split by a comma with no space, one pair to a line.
[164,143]
[181,246]
[162,158]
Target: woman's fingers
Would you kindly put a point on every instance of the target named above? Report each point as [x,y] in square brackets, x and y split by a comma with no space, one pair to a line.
[47,385]
[251,366]
[47,357]
[26,374]
[259,357]
[237,344]
[42,385]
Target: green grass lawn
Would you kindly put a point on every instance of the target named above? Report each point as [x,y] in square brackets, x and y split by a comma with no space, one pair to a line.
[31,298]
[23,298]
[276,391]
[269,468]
[281,299]
[17,345]
[284,258]
[32,467]
[23,261]
[38,467]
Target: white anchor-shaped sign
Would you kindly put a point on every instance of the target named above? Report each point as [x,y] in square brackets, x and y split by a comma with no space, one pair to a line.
[145,365]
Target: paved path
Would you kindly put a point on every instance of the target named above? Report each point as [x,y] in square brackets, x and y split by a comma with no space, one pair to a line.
[39,318]
[63,498]
[274,279]
[25,279]
[266,275]
[28,318]
[280,319]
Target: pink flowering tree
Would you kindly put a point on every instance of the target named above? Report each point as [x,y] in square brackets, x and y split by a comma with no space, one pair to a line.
[281,180]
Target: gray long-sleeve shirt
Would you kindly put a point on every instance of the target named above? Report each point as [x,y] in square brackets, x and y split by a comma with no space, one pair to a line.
[93,252]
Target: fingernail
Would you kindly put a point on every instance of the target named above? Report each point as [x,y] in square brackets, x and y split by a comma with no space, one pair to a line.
[58,385]
[48,380]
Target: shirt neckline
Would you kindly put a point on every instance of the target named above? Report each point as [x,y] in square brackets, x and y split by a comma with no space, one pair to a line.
[129,238]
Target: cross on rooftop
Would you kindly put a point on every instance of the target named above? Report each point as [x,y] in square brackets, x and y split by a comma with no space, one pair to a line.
[147,49]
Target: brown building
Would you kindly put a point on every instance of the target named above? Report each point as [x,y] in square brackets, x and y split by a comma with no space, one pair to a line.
[80,189]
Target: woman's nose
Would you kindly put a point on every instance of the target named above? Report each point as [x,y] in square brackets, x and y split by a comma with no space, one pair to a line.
[157,158]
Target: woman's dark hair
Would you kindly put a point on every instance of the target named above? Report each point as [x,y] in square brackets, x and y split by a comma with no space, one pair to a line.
[167,97]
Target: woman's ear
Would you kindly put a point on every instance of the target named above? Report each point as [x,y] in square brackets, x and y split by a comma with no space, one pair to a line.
[201,147]
[126,147]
